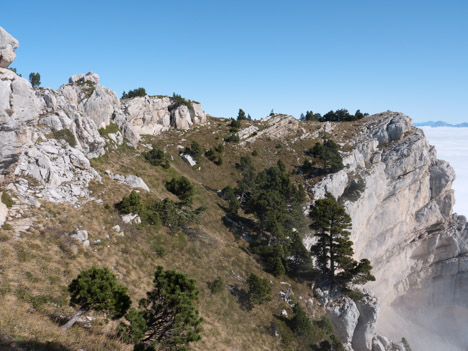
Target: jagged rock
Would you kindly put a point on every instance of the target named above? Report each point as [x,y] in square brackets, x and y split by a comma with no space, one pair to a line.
[131,218]
[344,315]
[132,180]
[8,45]
[153,115]
[403,223]
[189,159]
[82,236]
[84,95]
[19,110]
[83,78]
[62,173]
[365,329]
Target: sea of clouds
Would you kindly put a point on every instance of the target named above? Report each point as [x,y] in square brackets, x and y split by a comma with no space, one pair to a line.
[452,146]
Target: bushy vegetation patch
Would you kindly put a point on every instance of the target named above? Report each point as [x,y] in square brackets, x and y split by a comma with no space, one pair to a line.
[110,129]
[67,135]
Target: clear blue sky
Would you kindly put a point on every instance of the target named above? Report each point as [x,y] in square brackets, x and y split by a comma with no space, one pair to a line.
[290,56]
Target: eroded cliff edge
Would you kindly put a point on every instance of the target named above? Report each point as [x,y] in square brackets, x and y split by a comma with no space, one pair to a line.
[403,222]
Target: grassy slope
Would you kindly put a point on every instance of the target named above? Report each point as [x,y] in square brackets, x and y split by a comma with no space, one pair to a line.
[36,268]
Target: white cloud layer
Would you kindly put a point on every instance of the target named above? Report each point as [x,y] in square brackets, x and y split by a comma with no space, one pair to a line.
[452,146]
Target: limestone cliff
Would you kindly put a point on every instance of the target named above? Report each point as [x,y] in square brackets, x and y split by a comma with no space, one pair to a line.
[402,217]
[403,222]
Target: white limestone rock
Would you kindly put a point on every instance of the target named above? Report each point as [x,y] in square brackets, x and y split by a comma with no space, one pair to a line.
[131,218]
[8,45]
[3,211]
[82,236]
[154,115]
[189,159]
[132,181]
[19,111]
[62,173]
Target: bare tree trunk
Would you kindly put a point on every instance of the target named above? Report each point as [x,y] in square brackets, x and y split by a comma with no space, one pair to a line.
[72,321]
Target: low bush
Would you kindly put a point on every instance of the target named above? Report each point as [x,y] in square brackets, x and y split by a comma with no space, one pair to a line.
[67,135]
[156,157]
[259,289]
[182,188]
[7,200]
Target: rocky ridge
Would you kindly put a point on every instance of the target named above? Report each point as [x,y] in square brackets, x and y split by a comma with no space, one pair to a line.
[47,135]
[402,220]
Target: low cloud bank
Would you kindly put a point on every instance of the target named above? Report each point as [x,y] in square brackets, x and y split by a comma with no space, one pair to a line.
[452,146]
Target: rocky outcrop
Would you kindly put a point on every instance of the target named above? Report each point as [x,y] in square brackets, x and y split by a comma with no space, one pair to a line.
[154,115]
[19,112]
[32,120]
[8,45]
[403,222]
[54,171]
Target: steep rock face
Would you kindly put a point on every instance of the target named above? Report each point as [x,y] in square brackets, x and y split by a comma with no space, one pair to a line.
[153,115]
[19,111]
[403,223]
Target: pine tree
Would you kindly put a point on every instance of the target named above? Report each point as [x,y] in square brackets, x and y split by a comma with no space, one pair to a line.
[97,289]
[35,79]
[333,251]
[169,312]
[241,115]
[300,322]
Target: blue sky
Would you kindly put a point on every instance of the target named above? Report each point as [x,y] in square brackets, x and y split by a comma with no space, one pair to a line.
[409,56]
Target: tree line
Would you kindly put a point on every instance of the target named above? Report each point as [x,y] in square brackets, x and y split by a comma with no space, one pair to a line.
[341,115]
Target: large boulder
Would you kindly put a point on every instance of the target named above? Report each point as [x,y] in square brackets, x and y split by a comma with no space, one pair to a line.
[8,45]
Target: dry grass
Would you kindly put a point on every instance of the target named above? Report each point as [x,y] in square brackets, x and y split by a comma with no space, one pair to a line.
[36,269]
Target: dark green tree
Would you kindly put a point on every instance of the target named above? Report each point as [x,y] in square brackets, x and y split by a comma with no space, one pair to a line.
[134,93]
[259,289]
[328,153]
[169,312]
[333,251]
[241,115]
[35,79]
[156,157]
[182,187]
[195,150]
[97,289]
[300,322]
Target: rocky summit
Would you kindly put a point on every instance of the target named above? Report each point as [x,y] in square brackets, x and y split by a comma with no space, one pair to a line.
[82,172]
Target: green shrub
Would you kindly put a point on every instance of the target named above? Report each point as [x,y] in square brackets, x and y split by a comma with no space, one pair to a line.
[180,101]
[110,129]
[216,286]
[67,135]
[87,87]
[134,93]
[156,157]
[182,187]
[255,153]
[195,150]
[7,226]
[233,138]
[354,189]
[7,200]
[259,289]
[300,322]
[130,204]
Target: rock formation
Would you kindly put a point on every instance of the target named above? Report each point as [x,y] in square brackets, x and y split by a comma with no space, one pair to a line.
[403,223]
[46,133]
[8,45]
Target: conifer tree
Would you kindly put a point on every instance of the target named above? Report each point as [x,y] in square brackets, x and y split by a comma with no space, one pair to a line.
[97,289]
[333,251]
[169,312]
